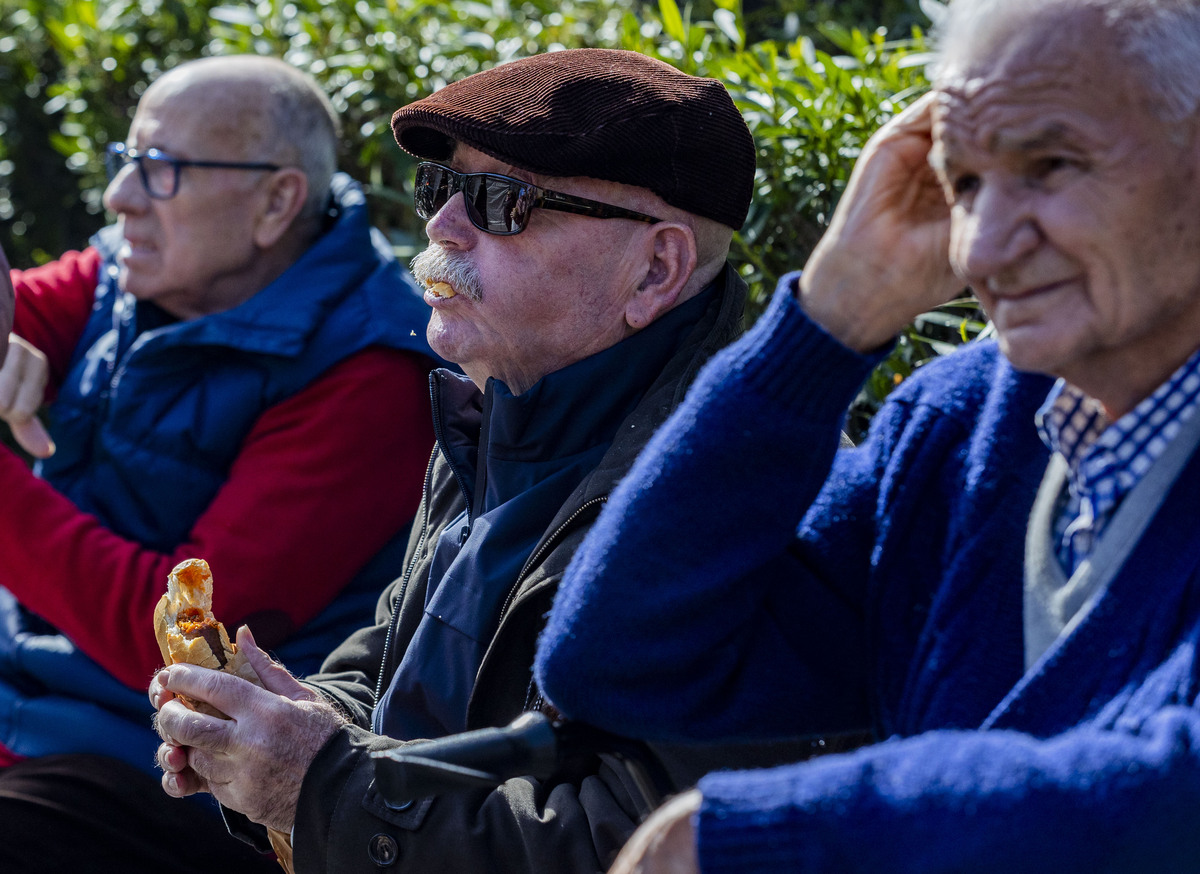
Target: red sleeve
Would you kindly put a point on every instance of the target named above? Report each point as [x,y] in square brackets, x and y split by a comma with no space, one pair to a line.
[53,305]
[323,481]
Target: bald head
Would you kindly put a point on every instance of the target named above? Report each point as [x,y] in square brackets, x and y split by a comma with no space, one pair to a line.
[264,109]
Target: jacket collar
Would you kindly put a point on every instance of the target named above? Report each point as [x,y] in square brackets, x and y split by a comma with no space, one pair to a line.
[496,440]
[716,327]
[280,318]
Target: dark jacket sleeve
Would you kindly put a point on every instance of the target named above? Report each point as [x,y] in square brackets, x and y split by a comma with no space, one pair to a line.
[575,822]
[349,676]
[343,823]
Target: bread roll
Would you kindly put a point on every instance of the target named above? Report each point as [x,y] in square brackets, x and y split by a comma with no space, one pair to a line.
[189,633]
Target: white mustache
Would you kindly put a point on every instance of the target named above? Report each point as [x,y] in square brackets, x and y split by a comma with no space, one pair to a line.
[435,264]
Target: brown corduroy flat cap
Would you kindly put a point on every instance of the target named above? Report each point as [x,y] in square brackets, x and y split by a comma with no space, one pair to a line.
[603,113]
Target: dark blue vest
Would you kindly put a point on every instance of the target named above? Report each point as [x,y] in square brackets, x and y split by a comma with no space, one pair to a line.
[149,419]
[153,411]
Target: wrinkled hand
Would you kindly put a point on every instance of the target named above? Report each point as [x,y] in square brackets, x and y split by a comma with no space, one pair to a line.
[23,378]
[253,762]
[885,258]
[665,843]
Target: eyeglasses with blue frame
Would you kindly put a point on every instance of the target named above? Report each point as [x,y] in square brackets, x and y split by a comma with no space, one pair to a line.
[159,171]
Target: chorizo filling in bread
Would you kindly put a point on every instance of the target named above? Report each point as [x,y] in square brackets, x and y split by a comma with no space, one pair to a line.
[192,623]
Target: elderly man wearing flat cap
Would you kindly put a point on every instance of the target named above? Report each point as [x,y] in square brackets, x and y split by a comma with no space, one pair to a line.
[580,206]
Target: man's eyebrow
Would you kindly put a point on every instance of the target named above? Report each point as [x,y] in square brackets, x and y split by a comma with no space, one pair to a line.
[1053,134]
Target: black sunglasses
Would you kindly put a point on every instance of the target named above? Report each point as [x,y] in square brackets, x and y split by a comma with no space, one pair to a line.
[159,171]
[500,204]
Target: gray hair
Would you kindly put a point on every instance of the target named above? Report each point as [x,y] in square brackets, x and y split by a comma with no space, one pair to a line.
[298,124]
[303,118]
[1160,37]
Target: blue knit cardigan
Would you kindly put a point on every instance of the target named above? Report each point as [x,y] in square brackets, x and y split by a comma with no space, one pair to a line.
[696,609]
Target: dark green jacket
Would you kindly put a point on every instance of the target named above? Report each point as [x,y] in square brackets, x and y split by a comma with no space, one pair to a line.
[573,825]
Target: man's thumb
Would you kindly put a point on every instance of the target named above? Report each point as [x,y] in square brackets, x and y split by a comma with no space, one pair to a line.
[31,435]
[275,677]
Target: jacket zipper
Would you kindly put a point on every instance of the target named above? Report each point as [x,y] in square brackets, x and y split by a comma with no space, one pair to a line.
[532,561]
[435,398]
[399,599]
[545,547]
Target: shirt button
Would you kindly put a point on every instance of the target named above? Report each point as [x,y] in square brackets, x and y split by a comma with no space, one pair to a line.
[383,850]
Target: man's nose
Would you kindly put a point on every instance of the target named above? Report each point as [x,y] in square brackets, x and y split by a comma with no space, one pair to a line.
[992,237]
[451,225]
[125,192]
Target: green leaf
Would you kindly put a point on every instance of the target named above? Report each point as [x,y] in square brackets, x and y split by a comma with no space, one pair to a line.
[726,21]
[672,21]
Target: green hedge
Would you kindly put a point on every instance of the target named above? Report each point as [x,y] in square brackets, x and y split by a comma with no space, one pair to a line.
[812,80]
[71,72]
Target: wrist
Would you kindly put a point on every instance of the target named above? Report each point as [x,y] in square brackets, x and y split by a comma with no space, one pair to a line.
[835,302]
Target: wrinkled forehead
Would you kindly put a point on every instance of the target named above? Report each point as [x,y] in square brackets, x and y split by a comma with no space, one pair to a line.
[1031,74]
[982,111]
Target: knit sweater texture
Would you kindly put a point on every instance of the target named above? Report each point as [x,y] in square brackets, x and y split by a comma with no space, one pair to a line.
[896,606]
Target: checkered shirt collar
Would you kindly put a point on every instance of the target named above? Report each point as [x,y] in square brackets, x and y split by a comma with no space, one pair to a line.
[1106,460]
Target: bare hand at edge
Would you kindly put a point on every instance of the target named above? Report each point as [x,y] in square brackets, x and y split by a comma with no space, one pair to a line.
[665,843]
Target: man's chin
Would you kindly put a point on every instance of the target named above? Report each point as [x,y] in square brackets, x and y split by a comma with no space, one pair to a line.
[1034,354]
[135,283]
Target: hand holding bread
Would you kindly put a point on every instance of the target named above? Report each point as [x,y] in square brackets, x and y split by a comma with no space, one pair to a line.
[188,632]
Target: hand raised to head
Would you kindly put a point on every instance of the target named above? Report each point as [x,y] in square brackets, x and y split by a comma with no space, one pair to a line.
[253,762]
[885,258]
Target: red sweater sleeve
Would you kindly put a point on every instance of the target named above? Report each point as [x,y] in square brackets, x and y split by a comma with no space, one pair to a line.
[53,305]
[323,481]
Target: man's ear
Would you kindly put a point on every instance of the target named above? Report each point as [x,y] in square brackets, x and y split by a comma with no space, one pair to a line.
[285,197]
[670,262]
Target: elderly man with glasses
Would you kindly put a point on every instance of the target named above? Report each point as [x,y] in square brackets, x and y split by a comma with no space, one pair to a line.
[580,207]
[236,371]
